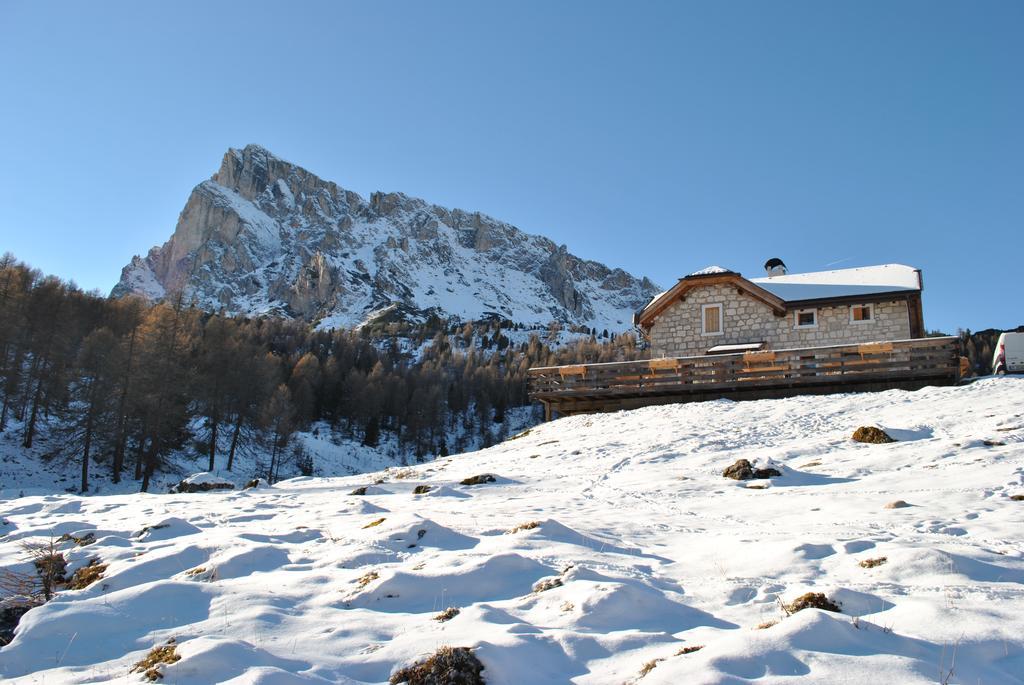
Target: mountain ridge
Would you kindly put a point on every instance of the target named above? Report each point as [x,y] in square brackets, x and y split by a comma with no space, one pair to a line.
[265,236]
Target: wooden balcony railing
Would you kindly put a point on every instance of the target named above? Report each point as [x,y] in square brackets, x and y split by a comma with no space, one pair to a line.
[772,373]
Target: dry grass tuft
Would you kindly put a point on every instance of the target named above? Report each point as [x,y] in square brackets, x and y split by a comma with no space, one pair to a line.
[766,625]
[648,667]
[379,521]
[367,578]
[530,525]
[872,434]
[81,541]
[87,575]
[198,570]
[402,474]
[871,563]
[158,656]
[547,584]
[447,615]
[446,666]
[689,650]
[521,435]
[811,600]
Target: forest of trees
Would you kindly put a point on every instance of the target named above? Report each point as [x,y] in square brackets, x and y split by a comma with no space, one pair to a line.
[123,383]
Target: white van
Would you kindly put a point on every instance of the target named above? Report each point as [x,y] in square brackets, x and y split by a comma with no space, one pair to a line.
[1009,354]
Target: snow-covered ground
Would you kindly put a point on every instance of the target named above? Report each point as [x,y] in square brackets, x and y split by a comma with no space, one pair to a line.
[653,550]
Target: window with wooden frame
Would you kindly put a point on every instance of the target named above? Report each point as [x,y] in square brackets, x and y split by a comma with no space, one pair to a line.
[711,319]
[862,313]
[805,318]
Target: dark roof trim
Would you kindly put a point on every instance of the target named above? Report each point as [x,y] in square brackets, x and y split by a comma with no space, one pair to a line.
[894,295]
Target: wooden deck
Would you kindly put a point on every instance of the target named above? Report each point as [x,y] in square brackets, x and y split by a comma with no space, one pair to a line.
[908,364]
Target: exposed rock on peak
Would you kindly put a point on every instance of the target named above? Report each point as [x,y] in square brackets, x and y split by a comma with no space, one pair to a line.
[266,236]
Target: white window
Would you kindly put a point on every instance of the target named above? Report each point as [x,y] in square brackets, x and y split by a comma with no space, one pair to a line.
[805,318]
[711,319]
[862,313]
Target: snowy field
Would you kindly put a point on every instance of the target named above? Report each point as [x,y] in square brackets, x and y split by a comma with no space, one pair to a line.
[646,552]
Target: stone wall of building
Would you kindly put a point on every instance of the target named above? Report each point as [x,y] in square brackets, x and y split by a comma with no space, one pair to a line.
[677,331]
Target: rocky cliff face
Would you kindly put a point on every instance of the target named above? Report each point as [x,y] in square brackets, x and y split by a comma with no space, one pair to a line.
[264,236]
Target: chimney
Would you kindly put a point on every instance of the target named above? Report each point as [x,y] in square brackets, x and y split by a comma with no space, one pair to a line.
[775,267]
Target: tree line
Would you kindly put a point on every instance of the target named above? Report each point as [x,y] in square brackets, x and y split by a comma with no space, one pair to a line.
[125,383]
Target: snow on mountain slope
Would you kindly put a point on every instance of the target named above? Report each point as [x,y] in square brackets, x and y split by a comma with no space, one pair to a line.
[653,551]
[265,236]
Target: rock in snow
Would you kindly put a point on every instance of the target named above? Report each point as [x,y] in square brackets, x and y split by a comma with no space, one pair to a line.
[265,236]
[302,582]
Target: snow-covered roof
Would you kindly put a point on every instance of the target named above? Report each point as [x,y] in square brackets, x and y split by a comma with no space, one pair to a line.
[864,280]
[709,270]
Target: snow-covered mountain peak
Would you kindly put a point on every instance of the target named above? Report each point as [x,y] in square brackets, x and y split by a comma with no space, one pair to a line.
[264,235]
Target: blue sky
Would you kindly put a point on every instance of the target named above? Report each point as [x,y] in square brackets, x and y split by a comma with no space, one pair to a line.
[655,136]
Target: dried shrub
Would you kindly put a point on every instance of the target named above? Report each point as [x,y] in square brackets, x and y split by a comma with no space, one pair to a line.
[743,470]
[157,657]
[372,524]
[50,566]
[421,490]
[23,591]
[479,480]
[529,525]
[447,615]
[812,600]
[87,575]
[547,584]
[446,666]
[872,563]
[872,434]
[689,650]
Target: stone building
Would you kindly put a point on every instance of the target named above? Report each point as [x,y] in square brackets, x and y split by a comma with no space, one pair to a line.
[717,311]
